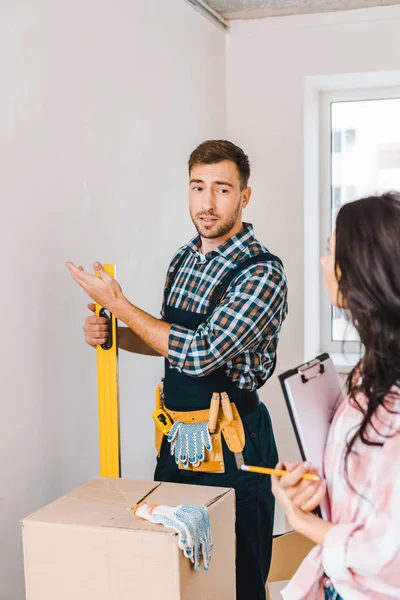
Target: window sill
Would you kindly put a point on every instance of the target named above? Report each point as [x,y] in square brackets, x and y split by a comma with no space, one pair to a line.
[344,363]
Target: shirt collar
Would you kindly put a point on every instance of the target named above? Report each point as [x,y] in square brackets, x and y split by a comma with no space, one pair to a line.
[229,249]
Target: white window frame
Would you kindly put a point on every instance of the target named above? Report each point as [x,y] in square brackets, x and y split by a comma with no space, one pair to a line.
[326,101]
[345,86]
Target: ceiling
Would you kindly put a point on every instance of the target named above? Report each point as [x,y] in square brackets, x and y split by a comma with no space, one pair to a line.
[254,9]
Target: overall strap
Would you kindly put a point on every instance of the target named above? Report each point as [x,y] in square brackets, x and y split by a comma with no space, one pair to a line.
[220,290]
[172,274]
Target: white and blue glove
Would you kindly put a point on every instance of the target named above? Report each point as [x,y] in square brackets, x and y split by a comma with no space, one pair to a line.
[189,442]
[191,523]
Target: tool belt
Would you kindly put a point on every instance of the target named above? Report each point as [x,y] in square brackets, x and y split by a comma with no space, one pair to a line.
[227,423]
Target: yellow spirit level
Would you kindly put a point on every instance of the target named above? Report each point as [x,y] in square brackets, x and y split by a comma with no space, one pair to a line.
[107,378]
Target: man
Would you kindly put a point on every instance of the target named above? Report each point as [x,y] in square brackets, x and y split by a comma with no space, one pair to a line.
[224,304]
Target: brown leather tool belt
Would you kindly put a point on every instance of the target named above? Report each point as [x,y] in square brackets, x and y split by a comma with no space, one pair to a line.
[233,433]
[228,425]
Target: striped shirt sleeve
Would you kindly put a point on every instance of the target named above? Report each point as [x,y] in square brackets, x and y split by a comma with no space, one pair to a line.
[253,309]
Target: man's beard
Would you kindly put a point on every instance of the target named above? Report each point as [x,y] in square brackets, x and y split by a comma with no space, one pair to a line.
[221,229]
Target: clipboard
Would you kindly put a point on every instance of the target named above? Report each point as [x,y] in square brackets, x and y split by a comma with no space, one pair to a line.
[312,393]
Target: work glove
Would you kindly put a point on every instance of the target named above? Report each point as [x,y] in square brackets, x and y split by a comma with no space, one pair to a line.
[188,442]
[191,523]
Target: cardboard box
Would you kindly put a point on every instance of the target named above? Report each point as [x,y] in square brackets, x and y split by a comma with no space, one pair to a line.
[88,546]
[274,590]
[288,552]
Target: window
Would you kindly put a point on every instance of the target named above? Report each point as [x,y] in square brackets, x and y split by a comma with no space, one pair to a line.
[351,193]
[343,141]
[360,145]
[336,197]
[337,193]
[337,141]
[350,138]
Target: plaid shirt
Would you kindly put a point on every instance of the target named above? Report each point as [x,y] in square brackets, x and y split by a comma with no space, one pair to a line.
[242,332]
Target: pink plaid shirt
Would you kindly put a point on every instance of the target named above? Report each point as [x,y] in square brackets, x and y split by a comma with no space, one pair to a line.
[361,553]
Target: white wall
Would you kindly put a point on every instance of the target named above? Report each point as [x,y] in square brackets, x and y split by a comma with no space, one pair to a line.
[100,106]
[268,60]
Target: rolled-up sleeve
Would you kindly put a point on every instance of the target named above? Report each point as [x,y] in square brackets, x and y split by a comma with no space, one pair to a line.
[368,555]
[251,311]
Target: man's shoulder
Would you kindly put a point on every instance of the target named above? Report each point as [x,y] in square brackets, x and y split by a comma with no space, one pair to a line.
[179,254]
[255,247]
[268,258]
[270,266]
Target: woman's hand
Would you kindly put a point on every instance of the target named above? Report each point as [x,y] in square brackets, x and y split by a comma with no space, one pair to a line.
[298,497]
[293,491]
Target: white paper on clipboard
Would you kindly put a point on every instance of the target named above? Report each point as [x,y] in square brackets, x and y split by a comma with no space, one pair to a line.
[313,392]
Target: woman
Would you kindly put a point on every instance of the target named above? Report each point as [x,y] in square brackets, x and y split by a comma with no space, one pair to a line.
[357,556]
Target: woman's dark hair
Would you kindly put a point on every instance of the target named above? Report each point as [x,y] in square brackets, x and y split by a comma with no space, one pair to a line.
[367,262]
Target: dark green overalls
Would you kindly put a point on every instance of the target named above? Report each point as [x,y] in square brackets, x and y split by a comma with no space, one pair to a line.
[254,500]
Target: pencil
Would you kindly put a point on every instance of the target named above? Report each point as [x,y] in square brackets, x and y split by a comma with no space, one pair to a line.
[280,472]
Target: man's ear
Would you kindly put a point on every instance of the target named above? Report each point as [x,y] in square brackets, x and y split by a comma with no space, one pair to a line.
[246,195]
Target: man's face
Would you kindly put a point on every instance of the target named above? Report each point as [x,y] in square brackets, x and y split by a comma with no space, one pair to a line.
[216,199]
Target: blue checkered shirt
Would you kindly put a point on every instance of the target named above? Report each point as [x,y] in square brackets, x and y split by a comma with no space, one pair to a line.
[242,333]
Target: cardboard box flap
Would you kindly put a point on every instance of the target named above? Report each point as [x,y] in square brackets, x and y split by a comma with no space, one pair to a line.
[98,502]
[173,495]
[169,494]
[124,492]
[107,502]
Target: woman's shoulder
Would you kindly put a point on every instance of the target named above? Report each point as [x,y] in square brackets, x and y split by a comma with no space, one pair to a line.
[385,421]
[353,407]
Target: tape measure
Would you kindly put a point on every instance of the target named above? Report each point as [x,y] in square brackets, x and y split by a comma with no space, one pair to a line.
[162,421]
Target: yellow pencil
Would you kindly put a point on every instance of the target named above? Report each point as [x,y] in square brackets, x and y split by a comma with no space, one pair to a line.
[280,472]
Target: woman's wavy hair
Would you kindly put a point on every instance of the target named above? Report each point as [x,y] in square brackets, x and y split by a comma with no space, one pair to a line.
[367,262]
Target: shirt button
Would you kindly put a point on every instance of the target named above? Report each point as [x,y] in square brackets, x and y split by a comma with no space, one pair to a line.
[253,435]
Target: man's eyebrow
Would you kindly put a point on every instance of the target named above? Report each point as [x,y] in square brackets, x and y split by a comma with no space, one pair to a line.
[217,182]
[224,183]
